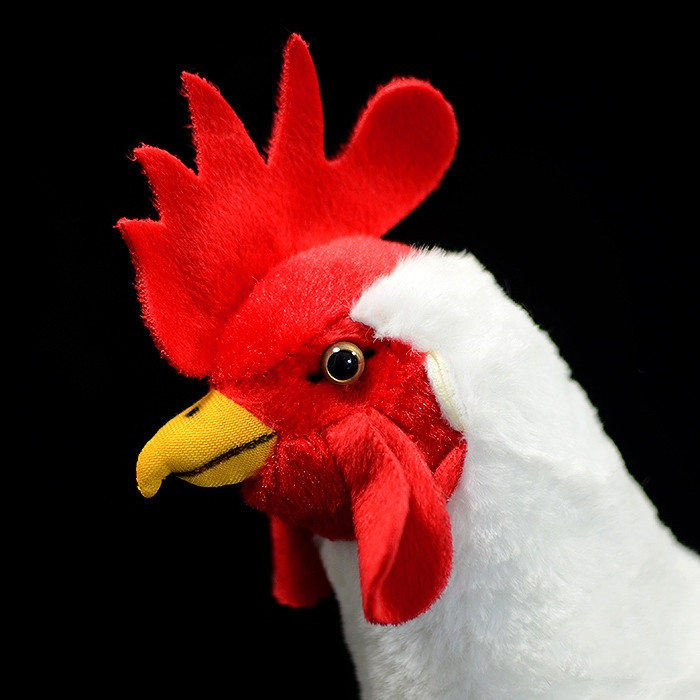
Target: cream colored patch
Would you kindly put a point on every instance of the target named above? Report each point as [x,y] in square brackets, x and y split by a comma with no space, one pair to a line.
[438,375]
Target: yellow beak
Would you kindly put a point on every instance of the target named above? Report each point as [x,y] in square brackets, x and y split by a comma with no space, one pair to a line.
[215,442]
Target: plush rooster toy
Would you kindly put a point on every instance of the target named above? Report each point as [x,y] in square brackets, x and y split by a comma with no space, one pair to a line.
[417,442]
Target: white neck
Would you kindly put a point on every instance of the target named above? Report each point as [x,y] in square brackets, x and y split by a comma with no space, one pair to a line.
[564,583]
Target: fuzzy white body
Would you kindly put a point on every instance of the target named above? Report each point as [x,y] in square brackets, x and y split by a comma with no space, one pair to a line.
[565,584]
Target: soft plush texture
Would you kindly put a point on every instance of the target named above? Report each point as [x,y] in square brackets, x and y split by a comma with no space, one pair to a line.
[243,213]
[565,584]
[248,276]
[336,459]
[400,519]
[461,498]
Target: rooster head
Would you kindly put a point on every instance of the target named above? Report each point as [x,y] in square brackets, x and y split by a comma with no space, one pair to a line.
[249,278]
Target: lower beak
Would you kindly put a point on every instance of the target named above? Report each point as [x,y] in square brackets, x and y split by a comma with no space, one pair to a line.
[215,442]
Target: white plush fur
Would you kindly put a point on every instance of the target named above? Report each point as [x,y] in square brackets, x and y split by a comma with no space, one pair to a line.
[565,584]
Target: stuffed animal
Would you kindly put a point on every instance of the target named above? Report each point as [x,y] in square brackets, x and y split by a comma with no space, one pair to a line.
[417,441]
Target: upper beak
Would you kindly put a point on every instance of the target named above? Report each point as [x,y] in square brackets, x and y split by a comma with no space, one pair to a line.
[215,442]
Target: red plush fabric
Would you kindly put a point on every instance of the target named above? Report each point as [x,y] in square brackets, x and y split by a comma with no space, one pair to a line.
[364,479]
[380,445]
[401,523]
[297,303]
[250,274]
[299,579]
[222,228]
[377,451]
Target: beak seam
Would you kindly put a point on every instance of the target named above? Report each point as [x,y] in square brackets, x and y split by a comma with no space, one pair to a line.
[261,440]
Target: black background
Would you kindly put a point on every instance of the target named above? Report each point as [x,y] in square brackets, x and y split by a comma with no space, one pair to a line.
[571,183]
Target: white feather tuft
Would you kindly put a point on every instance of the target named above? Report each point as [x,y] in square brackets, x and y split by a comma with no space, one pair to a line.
[565,584]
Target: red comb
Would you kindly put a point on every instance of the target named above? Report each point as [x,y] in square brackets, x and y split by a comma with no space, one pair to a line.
[224,226]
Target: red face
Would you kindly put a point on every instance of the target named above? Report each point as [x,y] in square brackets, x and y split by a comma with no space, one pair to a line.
[302,482]
[333,432]
[367,457]
[271,363]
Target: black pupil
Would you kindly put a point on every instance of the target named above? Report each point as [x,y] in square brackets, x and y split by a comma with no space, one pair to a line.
[342,365]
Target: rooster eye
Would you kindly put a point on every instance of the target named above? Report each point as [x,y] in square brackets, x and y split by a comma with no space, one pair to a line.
[343,363]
